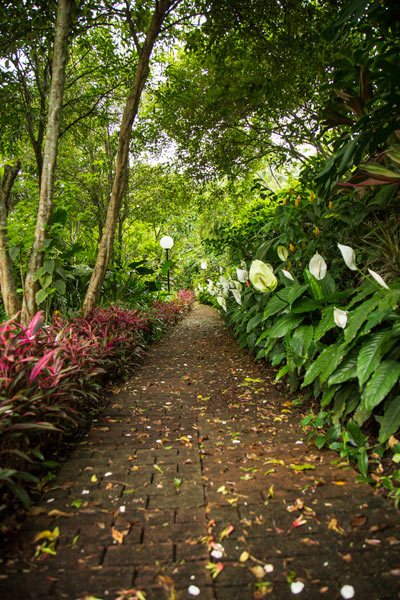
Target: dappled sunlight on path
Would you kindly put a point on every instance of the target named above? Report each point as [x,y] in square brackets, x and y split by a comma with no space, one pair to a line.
[196,481]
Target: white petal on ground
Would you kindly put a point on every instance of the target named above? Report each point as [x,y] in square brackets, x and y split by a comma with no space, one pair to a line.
[296,587]
[347,592]
[194,590]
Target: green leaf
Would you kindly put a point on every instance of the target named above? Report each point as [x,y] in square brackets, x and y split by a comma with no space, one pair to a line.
[41,296]
[306,305]
[357,317]
[346,370]
[13,252]
[370,355]
[60,287]
[285,324]
[282,372]
[301,339]
[362,461]
[49,266]
[324,365]
[253,322]
[390,420]
[46,281]
[326,323]
[380,384]
[356,437]
[295,292]
[274,305]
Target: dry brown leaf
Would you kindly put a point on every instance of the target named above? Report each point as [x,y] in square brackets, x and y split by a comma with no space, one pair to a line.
[392,441]
[36,510]
[346,557]
[117,535]
[257,571]
[358,520]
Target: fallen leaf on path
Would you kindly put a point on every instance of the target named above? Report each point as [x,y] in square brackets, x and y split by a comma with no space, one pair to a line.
[118,536]
[227,531]
[358,520]
[301,467]
[257,571]
[59,513]
[334,526]
[244,556]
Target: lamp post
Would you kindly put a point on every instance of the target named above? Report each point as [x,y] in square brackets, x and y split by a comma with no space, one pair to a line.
[166,244]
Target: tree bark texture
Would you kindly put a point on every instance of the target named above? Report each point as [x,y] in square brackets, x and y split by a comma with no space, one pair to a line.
[119,184]
[11,300]
[45,208]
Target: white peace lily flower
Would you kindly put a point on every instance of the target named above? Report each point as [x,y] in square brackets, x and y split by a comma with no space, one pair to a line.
[282,252]
[317,266]
[223,281]
[238,285]
[242,275]
[237,295]
[262,276]
[287,274]
[221,301]
[340,317]
[347,592]
[349,256]
[378,279]
[296,587]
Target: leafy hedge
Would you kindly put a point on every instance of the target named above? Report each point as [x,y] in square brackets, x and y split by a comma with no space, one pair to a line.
[51,376]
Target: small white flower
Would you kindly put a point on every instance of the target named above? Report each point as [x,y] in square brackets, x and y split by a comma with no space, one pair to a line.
[242,275]
[237,295]
[107,474]
[84,492]
[296,587]
[268,568]
[340,317]
[347,592]
[217,554]
[287,274]
[203,264]
[317,267]
[282,252]
[378,279]
[122,509]
[194,590]
[349,256]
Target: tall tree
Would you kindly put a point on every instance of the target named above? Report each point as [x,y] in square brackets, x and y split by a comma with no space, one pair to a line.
[45,209]
[161,10]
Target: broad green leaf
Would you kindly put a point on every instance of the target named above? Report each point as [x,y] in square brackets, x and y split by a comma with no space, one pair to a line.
[326,362]
[356,437]
[328,395]
[282,372]
[39,273]
[378,169]
[59,285]
[285,324]
[346,370]
[305,305]
[326,323]
[362,461]
[49,265]
[358,316]
[301,339]
[390,420]
[370,355]
[295,292]
[45,281]
[253,322]
[13,251]
[274,305]
[41,296]
[380,384]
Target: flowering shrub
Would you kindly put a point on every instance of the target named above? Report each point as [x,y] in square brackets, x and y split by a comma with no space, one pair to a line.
[342,345]
[51,375]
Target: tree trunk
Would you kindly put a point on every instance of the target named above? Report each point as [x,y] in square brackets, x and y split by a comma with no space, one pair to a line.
[130,112]
[45,209]
[9,294]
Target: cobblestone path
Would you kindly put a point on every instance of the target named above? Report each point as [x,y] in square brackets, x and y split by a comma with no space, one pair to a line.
[200,462]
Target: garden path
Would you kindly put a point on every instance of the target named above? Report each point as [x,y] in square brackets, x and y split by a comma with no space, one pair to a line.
[200,446]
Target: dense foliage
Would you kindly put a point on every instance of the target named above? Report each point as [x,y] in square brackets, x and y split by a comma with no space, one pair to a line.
[52,377]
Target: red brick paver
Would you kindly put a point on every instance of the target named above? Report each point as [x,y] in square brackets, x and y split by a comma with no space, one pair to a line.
[199,449]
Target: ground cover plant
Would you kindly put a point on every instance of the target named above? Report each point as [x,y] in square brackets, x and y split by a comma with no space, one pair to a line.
[52,377]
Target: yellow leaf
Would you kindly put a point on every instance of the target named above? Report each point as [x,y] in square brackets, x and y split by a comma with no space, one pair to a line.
[339,483]
[244,556]
[93,479]
[59,513]
[47,534]
[117,535]
[257,572]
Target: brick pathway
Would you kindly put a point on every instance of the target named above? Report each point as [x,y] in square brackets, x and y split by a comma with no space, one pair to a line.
[190,458]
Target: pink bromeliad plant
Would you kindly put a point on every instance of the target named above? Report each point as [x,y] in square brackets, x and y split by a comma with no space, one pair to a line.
[51,375]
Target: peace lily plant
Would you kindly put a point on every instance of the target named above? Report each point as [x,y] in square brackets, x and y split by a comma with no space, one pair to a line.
[262,276]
